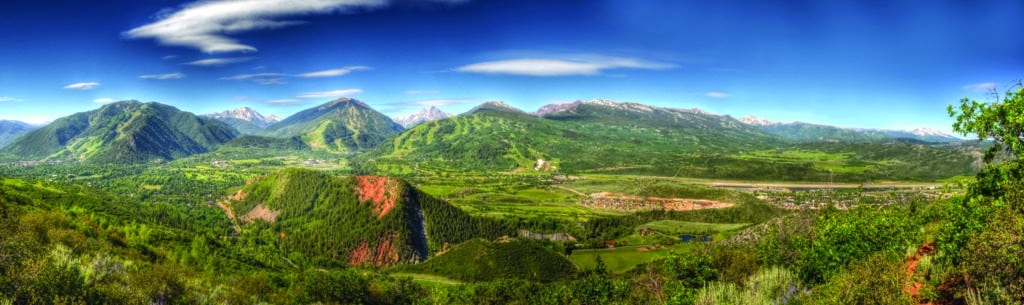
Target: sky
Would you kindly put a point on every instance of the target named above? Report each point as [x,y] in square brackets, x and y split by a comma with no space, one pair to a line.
[874,64]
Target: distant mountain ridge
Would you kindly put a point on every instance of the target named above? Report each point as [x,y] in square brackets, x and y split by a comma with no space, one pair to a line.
[245,119]
[342,125]
[804,132]
[123,132]
[428,114]
[11,130]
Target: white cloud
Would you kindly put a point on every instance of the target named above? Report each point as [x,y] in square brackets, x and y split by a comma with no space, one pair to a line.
[216,62]
[254,75]
[8,99]
[83,86]
[163,76]
[259,78]
[333,72]
[169,57]
[103,100]
[205,25]
[982,87]
[329,94]
[578,65]
[716,94]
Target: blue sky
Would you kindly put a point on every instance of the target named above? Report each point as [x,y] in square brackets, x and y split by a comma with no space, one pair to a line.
[847,63]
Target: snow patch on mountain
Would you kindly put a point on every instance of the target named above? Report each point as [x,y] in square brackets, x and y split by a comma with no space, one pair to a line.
[429,114]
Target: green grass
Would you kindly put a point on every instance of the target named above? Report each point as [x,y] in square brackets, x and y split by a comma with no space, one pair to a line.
[623,259]
[676,227]
[427,279]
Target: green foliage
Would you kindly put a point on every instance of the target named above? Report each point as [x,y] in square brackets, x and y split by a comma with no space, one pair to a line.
[878,279]
[481,260]
[769,286]
[689,273]
[1002,121]
[994,257]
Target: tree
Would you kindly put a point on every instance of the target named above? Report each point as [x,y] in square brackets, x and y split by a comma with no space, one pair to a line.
[1002,121]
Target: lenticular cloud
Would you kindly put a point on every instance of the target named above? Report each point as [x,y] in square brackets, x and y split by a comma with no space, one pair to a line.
[206,25]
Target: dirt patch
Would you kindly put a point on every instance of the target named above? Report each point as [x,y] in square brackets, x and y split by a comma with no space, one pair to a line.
[384,255]
[239,196]
[380,191]
[627,203]
[914,288]
[359,255]
[261,212]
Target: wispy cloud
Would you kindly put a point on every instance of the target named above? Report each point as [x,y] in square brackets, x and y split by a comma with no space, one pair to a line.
[982,87]
[206,25]
[333,72]
[163,76]
[103,100]
[329,94]
[260,78]
[716,94]
[285,102]
[82,86]
[217,62]
[573,65]
[169,57]
[4,99]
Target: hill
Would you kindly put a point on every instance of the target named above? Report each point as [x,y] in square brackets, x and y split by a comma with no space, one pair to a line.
[344,125]
[355,220]
[595,136]
[123,132]
[245,120]
[481,260]
[11,130]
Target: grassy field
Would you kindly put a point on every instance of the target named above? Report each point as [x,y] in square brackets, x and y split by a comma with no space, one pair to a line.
[427,279]
[623,259]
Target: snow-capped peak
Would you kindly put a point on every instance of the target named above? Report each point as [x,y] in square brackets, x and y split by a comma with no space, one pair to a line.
[245,114]
[428,114]
[753,120]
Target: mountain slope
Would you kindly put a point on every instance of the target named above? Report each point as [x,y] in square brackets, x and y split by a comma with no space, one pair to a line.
[123,132]
[807,132]
[245,120]
[11,130]
[340,125]
[598,136]
[355,220]
[429,114]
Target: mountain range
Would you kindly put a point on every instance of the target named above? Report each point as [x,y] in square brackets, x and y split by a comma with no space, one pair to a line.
[596,136]
[807,132]
[11,130]
[245,119]
[428,114]
[123,132]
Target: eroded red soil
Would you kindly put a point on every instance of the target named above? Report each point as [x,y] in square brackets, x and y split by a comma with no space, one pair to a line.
[380,191]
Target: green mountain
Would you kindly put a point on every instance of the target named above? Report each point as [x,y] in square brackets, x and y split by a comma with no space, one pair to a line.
[595,136]
[123,132]
[353,220]
[807,132]
[11,130]
[340,125]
